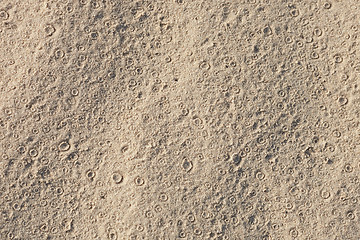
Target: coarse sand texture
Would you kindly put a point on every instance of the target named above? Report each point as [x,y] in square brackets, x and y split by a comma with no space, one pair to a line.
[179,119]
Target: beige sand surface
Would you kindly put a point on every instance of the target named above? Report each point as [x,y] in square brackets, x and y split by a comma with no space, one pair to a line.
[186,119]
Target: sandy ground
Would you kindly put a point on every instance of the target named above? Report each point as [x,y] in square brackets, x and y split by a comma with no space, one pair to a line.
[179,119]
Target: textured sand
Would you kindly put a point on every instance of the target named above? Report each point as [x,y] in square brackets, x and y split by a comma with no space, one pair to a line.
[186,119]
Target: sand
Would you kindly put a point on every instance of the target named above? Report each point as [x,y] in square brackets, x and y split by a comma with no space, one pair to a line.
[179,119]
